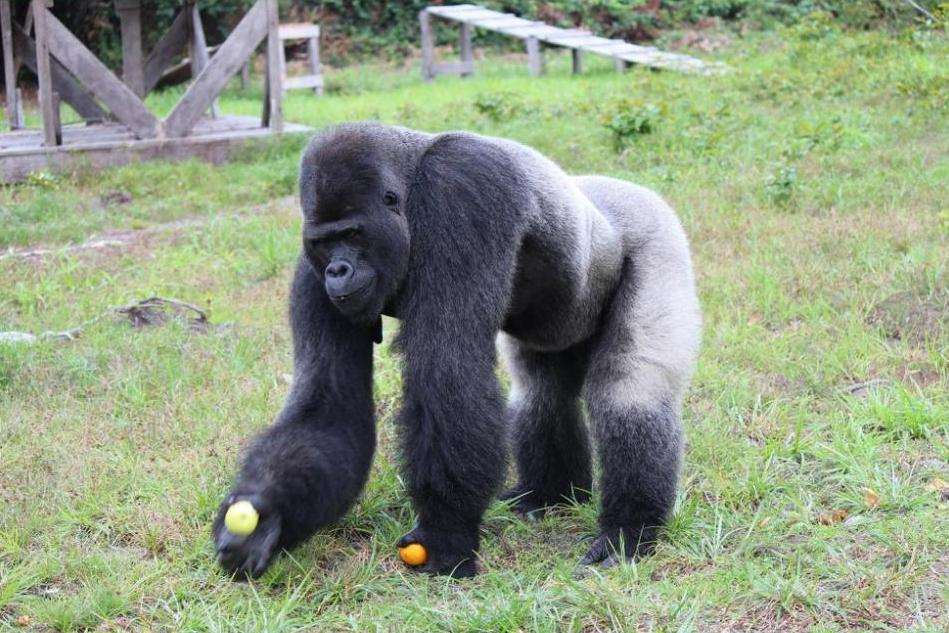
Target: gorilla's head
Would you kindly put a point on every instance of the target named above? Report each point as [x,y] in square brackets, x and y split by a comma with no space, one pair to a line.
[355,233]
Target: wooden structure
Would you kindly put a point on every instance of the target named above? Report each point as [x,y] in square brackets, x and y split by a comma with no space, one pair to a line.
[310,33]
[118,126]
[534,34]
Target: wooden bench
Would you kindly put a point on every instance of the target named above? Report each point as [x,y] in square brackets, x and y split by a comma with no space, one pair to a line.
[310,33]
[534,33]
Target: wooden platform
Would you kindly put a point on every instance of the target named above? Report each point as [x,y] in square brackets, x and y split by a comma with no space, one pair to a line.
[110,144]
[535,33]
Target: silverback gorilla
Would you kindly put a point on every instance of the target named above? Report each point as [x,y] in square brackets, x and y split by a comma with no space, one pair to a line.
[463,237]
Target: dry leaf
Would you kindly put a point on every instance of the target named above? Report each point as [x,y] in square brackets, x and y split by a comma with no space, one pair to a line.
[871,498]
[23,620]
[834,516]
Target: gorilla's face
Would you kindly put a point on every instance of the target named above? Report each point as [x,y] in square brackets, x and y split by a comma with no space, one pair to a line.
[354,229]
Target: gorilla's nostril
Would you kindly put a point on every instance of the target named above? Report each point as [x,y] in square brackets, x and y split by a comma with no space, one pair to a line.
[339,270]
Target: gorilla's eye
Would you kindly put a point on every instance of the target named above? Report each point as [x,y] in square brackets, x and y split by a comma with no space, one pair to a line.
[390,199]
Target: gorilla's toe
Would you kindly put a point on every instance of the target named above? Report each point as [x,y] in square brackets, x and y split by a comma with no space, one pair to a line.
[248,556]
[449,554]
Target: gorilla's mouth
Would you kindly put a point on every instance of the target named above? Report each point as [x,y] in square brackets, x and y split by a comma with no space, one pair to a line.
[349,295]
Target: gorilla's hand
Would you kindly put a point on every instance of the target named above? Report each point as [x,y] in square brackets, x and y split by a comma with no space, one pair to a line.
[614,545]
[449,553]
[247,556]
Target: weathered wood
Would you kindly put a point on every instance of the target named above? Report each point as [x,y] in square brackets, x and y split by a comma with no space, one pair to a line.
[99,146]
[9,72]
[171,44]
[130,20]
[298,31]
[245,75]
[428,44]
[68,88]
[620,64]
[316,68]
[57,122]
[577,60]
[92,73]
[464,48]
[513,26]
[535,57]
[41,24]
[304,81]
[199,48]
[235,50]
[274,76]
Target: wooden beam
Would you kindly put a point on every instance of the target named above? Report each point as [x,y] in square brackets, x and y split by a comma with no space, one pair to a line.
[171,44]
[93,74]
[235,50]
[298,31]
[41,23]
[274,67]
[577,58]
[130,19]
[9,74]
[313,49]
[68,88]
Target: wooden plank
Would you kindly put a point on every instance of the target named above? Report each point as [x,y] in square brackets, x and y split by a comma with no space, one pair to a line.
[92,73]
[428,44]
[271,23]
[303,81]
[130,20]
[171,44]
[41,23]
[471,16]
[235,50]
[612,48]
[499,24]
[441,11]
[576,42]
[532,31]
[68,88]
[453,68]
[298,31]
[9,74]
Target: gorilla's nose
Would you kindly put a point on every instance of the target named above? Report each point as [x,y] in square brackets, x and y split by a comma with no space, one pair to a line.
[338,275]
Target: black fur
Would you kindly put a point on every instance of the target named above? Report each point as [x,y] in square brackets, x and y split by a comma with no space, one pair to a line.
[461,237]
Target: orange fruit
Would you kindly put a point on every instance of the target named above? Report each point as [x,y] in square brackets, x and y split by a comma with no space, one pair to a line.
[413,554]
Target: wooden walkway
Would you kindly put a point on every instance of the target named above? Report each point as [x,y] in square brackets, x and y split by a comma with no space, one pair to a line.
[534,33]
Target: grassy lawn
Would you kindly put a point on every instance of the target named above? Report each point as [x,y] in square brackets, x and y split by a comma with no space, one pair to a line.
[813,181]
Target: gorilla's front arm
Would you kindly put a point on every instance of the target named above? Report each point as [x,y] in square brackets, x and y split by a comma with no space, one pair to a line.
[452,418]
[306,470]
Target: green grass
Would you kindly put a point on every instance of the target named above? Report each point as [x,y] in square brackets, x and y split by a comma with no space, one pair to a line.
[814,182]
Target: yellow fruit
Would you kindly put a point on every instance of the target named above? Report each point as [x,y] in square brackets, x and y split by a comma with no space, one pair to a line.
[413,554]
[241,518]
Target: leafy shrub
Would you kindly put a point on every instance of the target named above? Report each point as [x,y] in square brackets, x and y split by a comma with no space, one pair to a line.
[628,119]
[498,106]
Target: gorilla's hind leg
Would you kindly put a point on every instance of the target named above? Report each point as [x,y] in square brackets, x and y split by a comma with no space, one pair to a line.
[548,434]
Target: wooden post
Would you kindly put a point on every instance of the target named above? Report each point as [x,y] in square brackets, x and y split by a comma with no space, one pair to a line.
[57,123]
[577,57]
[9,72]
[464,46]
[199,47]
[428,45]
[130,17]
[40,24]
[313,49]
[535,57]
[274,109]
[620,64]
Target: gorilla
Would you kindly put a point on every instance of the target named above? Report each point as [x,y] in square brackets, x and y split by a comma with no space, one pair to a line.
[587,280]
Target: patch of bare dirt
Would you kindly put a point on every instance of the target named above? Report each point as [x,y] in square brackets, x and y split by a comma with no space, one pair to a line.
[909,317]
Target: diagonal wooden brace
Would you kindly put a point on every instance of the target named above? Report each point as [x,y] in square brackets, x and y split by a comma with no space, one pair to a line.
[93,74]
[171,43]
[226,63]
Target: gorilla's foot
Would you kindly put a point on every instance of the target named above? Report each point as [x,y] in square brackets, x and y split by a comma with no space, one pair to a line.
[614,545]
[247,556]
[449,553]
[533,506]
